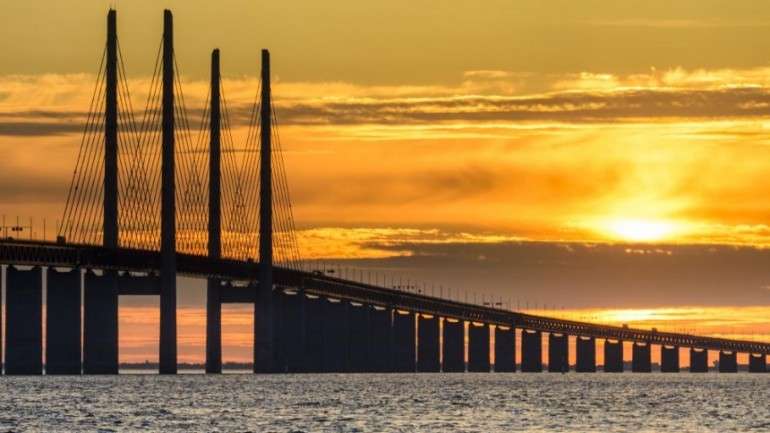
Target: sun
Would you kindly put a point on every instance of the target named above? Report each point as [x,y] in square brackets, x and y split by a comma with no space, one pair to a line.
[639,230]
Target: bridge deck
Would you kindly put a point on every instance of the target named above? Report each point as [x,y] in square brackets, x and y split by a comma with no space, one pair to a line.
[15,252]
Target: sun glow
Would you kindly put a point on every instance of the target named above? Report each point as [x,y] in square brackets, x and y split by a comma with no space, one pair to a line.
[637,230]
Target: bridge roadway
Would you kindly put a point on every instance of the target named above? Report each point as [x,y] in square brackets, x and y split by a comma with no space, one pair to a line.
[35,253]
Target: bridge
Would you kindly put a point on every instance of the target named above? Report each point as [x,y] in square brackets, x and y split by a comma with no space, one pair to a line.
[148,202]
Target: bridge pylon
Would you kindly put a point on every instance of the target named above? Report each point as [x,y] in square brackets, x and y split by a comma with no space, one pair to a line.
[168,348]
[100,302]
[213,290]
[264,308]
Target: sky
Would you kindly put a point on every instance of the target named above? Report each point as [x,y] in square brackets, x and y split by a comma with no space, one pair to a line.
[555,155]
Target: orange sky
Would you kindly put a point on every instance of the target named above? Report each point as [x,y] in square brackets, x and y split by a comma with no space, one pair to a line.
[593,155]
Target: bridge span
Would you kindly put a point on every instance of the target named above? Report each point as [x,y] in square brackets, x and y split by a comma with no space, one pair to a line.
[407,324]
[127,230]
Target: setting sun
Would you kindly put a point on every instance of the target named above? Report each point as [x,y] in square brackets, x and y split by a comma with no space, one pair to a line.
[640,230]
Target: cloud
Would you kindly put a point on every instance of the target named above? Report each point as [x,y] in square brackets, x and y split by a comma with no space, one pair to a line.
[567,107]
[58,104]
[470,157]
[573,274]
[488,74]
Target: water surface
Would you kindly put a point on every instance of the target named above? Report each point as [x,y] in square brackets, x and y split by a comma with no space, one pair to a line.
[388,403]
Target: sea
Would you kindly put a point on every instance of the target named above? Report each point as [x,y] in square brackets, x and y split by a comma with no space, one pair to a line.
[495,402]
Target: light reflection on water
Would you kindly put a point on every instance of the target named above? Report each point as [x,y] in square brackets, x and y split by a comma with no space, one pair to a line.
[389,403]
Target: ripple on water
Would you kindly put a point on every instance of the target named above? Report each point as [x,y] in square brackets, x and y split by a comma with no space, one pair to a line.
[388,402]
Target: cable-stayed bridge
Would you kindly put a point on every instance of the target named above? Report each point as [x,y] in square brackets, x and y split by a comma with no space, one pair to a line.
[153,197]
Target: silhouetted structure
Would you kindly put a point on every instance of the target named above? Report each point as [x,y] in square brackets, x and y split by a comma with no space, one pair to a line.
[531,351]
[669,356]
[641,361]
[558,353]
[213,285]
[586,354]
[613,356]
[62,349]
[698,361]
[168,208]
[428,344]
[478,347]
[505,349]
[454,346]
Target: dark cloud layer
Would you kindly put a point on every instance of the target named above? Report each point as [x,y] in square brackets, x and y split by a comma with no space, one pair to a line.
[568,107]
[577,107]
[578,275]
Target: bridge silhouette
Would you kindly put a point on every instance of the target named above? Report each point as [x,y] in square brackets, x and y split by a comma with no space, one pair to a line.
[148,202]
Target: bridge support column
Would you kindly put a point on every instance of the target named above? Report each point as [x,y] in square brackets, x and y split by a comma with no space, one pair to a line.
[314,334]
[336,336]
[3,288]
[359,338]
[699,360]
[279,331]
[728,362]
[428,344]
[380,344]
[453,349]
[24,321]
[531,351]
[613,356]
[403,342]
[62,352]
[558,353]
[757,363]
[213,326]
[669,359]
[478,347]
[293,327]
[586,354]
[641,361]
[505,349]
[100,323]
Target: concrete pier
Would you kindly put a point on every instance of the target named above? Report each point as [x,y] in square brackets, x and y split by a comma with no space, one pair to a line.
[669,359]
[558,353]
[100,323]
[728,362]
[293,327]
[454,346]
[213,326]
[314,334]
[24,321]
[63,345]
[531,351]
[336,338]
[641,361]
[279,342]
[757,363]
[359,338]
[505,349]
[699,360]
[478,347]
[613,356]
[404,356]
[585,348]
[380,339]
[428,344]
